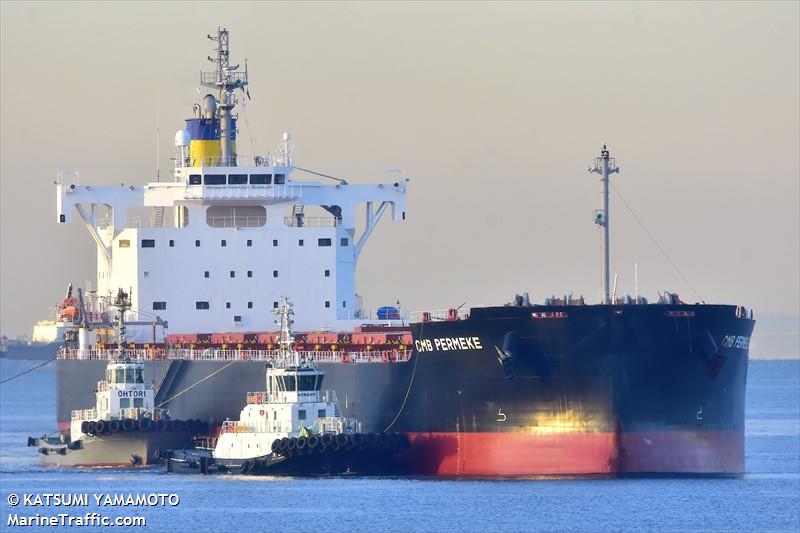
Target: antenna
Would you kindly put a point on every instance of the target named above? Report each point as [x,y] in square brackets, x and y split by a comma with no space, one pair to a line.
[158,141]
[226,79]
[605,165]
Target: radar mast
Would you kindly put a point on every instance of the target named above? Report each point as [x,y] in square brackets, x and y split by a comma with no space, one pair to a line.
[605,165]
[226,79]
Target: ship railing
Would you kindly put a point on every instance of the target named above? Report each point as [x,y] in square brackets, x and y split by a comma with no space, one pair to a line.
[312,222]
[317,396]
[234,426]
[107,354]
[337,424]
[213,354]
[439,314]
[278,159]
[237,221]
[236,192]
[84,414]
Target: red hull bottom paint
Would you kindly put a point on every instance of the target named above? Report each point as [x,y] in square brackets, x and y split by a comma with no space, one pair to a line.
[682,452]
[527,454]
[512,454]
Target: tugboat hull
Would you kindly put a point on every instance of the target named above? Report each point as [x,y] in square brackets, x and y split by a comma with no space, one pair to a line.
[116,450]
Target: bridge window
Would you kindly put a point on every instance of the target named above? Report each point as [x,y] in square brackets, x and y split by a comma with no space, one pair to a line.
[201,306]
[138,403]
[280,179]
[194,179]
[260,179]
[321,413]
[159,306]
[344,241]
[139,375]
[119,375]
[148,243]
[124,403]
[124,243]
[285,383]
[324,242]
[301,414]
[237,179]
[130,375]
[214,179]
[308,383]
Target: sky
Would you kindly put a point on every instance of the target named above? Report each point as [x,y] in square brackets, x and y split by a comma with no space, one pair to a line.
[493,110]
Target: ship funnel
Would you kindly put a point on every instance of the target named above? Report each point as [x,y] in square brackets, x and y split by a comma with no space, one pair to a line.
[210,106]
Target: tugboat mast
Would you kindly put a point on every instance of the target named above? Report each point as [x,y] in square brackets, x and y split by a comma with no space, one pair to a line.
[123,304]
[285,341]
[225,79]
[605,166]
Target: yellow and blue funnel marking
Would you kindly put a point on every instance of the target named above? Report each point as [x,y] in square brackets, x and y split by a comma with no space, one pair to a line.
[204,148]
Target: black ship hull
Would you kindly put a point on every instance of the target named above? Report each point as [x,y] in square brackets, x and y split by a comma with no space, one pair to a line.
[581,390]
[542,390]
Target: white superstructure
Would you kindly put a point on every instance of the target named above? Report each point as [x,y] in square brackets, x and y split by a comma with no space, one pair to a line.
[213,249]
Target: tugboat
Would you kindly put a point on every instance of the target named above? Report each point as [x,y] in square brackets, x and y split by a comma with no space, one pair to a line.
[125,428]
[294,427]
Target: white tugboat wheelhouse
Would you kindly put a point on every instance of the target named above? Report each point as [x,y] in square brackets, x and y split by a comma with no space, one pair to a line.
[292,405]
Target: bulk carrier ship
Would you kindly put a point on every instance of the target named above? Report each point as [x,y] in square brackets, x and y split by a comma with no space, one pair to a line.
[622,387]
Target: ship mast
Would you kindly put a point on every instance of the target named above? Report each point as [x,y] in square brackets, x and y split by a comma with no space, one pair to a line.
[605,165]
[123,304]
[285,341]
[226,79]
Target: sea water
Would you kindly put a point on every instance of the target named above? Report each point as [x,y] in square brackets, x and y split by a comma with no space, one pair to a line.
[766,498]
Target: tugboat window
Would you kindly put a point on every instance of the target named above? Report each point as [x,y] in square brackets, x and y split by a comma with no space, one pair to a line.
[237,179]
[138,402]
[301,414]
[194,179]
[148,243]
[129,376]
[280,179]
[125,403]
[120,376]
[307,383]
[321,413]
[286,383]
[139,375]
